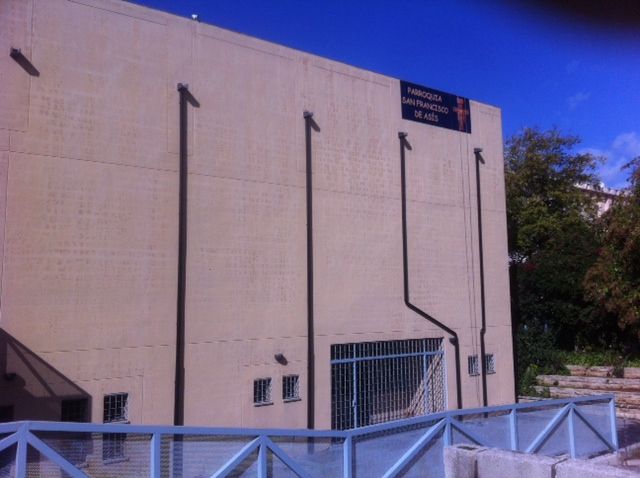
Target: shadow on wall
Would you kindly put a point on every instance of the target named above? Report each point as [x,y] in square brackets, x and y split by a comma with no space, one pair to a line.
[31,389]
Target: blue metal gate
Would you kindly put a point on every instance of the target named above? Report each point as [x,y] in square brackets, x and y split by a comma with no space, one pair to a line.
[376,382]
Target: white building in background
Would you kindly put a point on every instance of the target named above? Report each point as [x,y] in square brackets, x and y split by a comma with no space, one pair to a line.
[604,196]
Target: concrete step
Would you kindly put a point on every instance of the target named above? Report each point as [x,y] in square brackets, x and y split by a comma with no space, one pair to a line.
[602,371]
[584,371]
[628,413]
[621,412]
[593,383]
[627,400]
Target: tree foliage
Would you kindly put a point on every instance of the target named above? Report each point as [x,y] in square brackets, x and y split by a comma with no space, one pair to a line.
[575,277]
[552,242]
[541,173]
[613,282]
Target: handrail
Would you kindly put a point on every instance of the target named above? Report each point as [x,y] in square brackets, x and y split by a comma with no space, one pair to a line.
[289,432]
[268,442]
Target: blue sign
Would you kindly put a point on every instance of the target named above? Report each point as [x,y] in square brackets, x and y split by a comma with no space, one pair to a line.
[434,107]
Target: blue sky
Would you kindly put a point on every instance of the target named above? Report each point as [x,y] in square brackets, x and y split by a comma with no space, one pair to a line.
[543,69]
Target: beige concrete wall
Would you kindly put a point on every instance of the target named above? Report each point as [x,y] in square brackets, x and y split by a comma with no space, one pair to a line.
[88,163]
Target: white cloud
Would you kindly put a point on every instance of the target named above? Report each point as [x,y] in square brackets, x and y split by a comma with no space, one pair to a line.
[628,143]
[580,97]
[623,149]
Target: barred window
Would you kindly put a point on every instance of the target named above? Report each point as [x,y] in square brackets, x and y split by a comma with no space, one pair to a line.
[262,391]
[116,410]
[490,363]
[290,388]
[474,365]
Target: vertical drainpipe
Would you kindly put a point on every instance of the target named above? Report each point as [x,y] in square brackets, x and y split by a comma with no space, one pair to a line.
[178,411]
[404,144]
[308,124]
[483,330]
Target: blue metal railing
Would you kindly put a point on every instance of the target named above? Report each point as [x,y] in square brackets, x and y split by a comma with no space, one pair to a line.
[579,427]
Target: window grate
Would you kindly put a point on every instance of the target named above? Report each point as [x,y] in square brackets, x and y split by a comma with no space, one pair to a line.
[262,391]
[290,388]
[375,382]
[116,410]
[114,446]
[489,363]
[473,365]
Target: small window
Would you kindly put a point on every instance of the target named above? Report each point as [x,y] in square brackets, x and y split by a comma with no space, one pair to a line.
[116,410]
[290,388]
[489,363]
[262,391]
[474,365]
[74,410]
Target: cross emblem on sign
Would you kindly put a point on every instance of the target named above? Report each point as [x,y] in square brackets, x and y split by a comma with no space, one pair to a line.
[463,114]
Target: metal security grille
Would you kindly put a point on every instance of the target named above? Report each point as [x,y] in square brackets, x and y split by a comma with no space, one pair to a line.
[290,388]
[490,363]
[375,382]
[116,410]
[262,391]
[473,365]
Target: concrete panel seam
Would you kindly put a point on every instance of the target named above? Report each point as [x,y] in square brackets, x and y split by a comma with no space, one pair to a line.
[434,203]
[252,339]
[385,85]
[106,163]
[100,349]
[15,130]
[247,180]
[111,377]
[85,4]
[258,50]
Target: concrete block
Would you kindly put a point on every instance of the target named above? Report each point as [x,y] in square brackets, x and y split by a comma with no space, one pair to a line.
[612,459]
[632,372]
[598,371]
[587,469]
[508,464]
[460,461]
[577,370]
[625,456]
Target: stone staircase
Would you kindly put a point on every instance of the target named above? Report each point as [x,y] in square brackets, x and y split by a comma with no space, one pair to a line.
[585,381]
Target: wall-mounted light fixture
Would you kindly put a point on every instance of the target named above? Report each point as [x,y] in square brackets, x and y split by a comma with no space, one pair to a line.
[281,359]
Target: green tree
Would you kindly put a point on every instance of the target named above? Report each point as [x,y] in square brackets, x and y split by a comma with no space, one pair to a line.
[613,282]
[552,242]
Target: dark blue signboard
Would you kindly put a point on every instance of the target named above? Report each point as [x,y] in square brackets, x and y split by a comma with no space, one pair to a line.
[434,107]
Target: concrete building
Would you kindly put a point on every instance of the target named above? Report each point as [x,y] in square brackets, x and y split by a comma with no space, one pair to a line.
[90,228]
